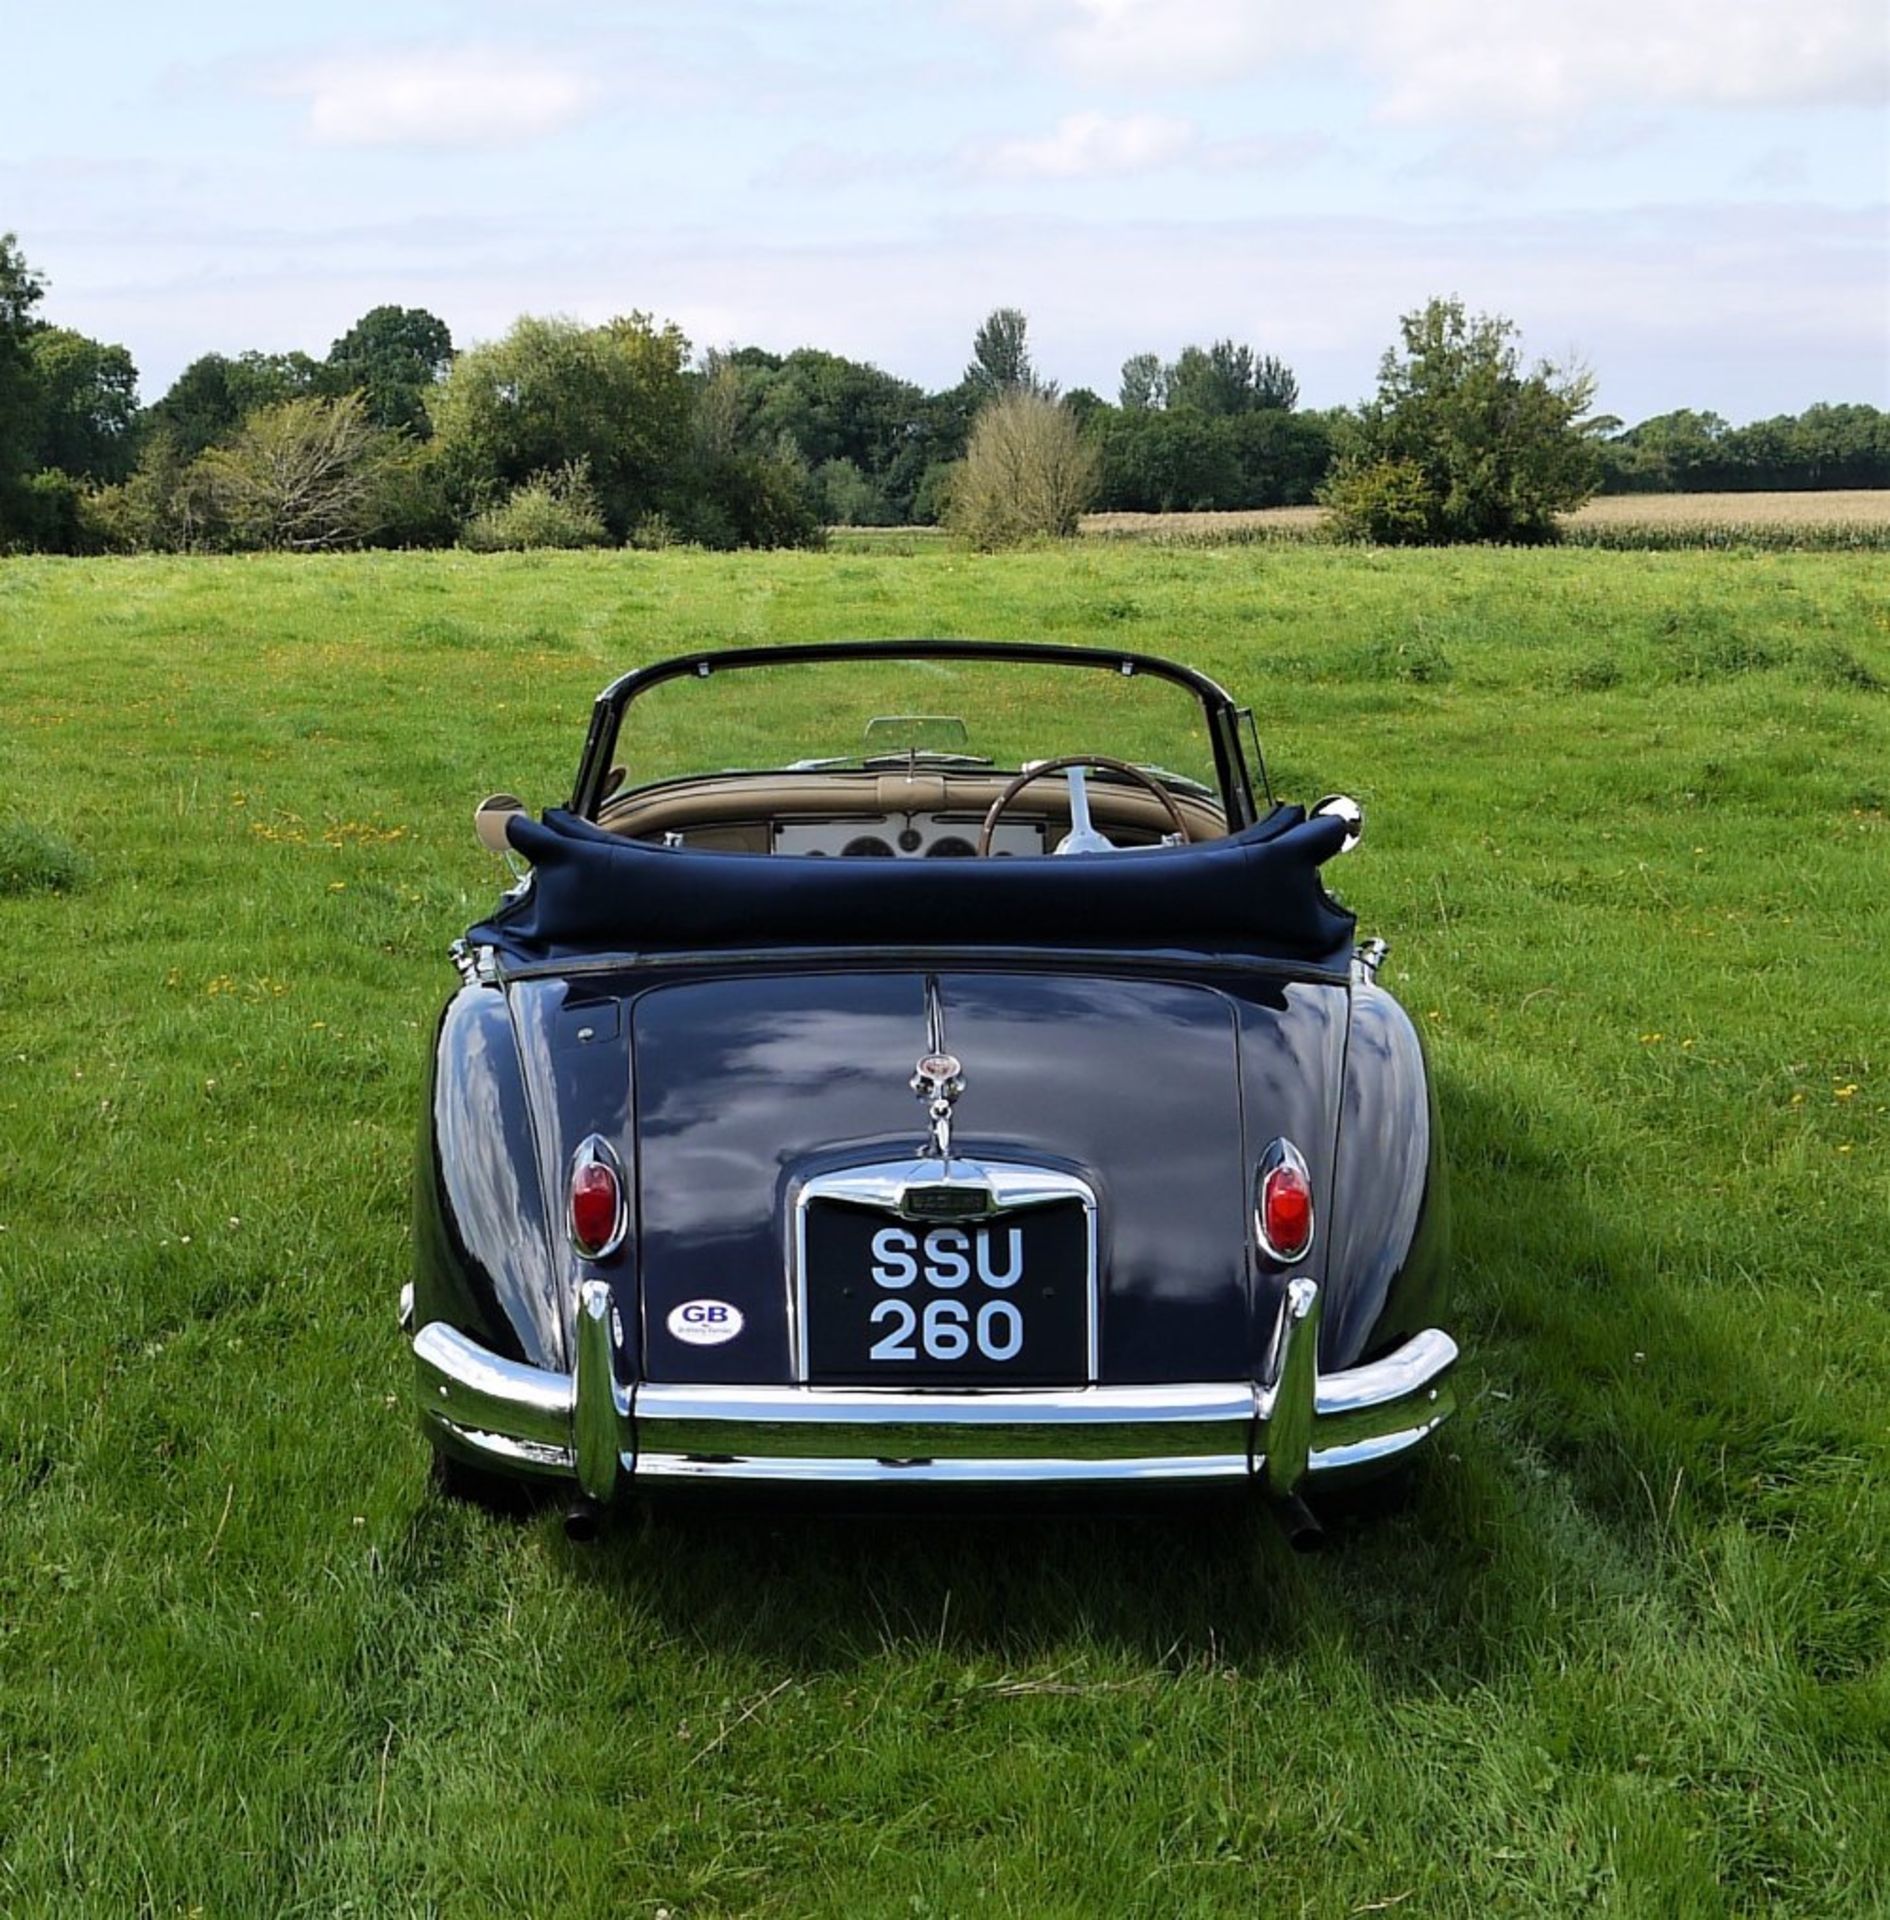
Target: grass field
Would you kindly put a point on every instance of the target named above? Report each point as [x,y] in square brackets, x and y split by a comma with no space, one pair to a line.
[1625,1652]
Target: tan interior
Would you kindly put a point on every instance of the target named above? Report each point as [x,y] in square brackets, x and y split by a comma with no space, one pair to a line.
[738,813]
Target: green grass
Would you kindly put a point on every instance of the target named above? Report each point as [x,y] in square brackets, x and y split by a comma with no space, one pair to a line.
[35,861]
[1626,1651]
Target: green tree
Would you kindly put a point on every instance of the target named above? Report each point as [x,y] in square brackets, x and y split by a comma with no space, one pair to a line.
[1499,450]
[1213,381]
[164,506]
[213,396]
[848,498]
[1027,474]
[1000,359]
[1282,455]
[393,357]
[557,509]
[838,409]
[738,485]
[21,288]
[744,499]
[1838,446]
[1167,462]
[300,476]
[1085,405]
[1674,452]
[88,411]
[553,392]
[1228,379]
[866,436]
[1691,452]
[1144,383]
[727,397]
[1275,388]
[20,394]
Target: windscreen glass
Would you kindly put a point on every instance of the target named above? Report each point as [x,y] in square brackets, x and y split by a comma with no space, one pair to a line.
[895,713]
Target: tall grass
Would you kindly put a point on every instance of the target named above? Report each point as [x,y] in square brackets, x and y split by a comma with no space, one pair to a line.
[34,859]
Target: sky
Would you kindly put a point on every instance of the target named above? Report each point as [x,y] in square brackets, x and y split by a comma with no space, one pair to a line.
[1689,197]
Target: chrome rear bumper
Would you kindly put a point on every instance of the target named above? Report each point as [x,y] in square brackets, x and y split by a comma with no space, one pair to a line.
[1299,1427]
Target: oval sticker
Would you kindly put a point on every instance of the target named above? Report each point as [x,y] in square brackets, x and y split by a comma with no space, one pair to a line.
[704,1323]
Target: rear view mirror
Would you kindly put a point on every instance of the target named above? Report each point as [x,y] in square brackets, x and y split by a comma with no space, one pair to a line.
[489,818]
[1341,806]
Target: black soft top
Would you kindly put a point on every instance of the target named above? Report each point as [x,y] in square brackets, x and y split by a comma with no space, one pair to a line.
[591,891]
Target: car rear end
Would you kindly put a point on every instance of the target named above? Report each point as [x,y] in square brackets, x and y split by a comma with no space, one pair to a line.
[756,1234]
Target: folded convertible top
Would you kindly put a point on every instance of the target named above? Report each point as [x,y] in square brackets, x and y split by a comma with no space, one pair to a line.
[591,891]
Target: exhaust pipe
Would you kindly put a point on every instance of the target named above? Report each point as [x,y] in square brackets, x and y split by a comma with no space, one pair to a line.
[583,1521]
[1298,1522]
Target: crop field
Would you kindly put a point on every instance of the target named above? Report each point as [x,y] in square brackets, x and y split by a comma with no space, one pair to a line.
[1840,520]
[1856,506]
[1282,521]
[1624,1649]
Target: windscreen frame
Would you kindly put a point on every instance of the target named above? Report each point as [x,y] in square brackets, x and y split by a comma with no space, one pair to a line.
[1219,712]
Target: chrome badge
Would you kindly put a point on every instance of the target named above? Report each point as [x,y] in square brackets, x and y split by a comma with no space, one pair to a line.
[938,1079]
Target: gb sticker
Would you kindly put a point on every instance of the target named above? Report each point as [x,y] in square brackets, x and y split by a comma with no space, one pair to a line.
[704,1323]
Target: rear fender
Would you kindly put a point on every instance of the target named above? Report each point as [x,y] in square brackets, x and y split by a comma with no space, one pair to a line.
[483,1259]
[1390,1238]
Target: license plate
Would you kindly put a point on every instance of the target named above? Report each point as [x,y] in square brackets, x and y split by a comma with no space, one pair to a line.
[997,1302]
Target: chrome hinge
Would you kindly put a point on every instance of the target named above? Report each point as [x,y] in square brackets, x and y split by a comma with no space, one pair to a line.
[478,966]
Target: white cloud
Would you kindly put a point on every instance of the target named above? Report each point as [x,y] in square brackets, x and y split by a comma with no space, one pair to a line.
[433,96]
[1439,59]
[1262,153]
[1142,41]
[1081,146]
[820,167]
[1084,145]
[1429,60]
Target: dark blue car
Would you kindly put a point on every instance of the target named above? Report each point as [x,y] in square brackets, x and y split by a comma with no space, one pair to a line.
[916,1063]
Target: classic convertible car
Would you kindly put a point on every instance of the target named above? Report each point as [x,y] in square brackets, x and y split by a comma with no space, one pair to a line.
[917,1063]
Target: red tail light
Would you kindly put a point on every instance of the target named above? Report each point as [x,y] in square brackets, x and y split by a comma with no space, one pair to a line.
[1283,1208]
[596,1210]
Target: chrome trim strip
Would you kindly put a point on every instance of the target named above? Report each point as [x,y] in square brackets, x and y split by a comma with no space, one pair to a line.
[599,1414]
[1049,1470]
[1289,1413]
[1367,1416]
[1361,1457]
[995,1407]
[1400,1375]
[476,1394]
[883,1183]
[528,1419]
[502,1451]
[1009,1434]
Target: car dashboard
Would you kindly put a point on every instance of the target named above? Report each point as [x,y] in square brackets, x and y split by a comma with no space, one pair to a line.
[905,836]
[867,813]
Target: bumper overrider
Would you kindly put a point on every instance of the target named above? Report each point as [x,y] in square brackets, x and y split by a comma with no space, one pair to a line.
[1298,1429]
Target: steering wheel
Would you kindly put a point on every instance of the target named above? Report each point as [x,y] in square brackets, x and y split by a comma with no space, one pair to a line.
[1083,837]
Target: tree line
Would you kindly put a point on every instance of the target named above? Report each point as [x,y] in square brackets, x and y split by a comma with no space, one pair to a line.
[564,434]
